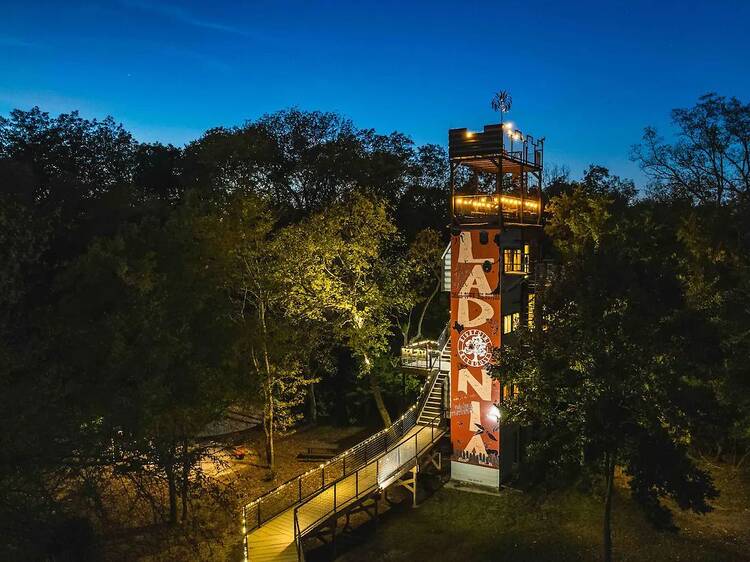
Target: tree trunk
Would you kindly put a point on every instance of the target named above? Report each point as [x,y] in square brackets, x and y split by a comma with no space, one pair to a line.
[377,395]
[424,310]
[313,404]
[268,414]
[185,483]
[172,486]
[268,429]
[607,529]
[406,328]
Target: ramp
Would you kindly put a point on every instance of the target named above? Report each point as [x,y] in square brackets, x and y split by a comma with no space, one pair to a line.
[275,523]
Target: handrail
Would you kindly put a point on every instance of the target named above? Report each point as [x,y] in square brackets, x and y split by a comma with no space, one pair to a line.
[382,462]
[423,398]
[297,489]
[443,337]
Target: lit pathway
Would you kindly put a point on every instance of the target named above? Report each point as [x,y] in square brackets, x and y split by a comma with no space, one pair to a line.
[274,540]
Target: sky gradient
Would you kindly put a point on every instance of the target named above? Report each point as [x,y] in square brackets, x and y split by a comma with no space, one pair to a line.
[588,76]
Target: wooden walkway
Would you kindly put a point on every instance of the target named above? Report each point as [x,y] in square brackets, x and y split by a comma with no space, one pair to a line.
[275,540]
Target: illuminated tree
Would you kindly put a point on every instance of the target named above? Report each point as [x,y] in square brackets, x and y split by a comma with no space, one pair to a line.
[340,271]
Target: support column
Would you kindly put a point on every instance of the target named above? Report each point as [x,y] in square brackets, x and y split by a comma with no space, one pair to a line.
[410,483]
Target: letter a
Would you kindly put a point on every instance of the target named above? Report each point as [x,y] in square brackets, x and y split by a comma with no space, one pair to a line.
[476,280]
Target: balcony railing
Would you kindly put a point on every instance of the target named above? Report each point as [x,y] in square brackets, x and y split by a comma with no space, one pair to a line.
[486,208]
[424,355]
[498,142]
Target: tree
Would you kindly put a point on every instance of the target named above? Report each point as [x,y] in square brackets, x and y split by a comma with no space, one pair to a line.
[703,179]
[145,326]
[710,160]
[241,231]
[300,161]
[423,269]
[338,264]
[609,376]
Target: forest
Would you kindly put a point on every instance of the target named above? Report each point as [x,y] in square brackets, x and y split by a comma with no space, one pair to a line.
[277,268]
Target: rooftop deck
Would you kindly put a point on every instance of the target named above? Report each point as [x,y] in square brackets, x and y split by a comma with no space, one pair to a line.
[495,147]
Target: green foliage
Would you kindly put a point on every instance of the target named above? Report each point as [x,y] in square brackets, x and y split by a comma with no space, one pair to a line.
[709,162]
[611,374]
[143,291]
[341,270]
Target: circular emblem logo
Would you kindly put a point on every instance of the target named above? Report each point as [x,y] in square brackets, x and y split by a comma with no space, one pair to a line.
[474,348]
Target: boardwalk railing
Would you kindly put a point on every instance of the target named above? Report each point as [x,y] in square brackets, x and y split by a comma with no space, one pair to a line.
[387,466]
[296,490]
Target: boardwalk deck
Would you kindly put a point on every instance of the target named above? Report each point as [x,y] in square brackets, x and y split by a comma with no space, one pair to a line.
[275,540]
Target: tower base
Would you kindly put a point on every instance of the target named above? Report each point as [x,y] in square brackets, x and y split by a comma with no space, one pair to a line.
[484,476]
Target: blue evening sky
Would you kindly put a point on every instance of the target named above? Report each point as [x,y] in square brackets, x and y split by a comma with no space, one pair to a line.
[586,75]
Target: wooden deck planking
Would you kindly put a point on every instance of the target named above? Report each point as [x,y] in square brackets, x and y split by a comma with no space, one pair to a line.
[274,540]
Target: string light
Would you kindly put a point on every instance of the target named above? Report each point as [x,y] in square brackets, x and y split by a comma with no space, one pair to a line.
[423,395]
[340,456]
[490,202]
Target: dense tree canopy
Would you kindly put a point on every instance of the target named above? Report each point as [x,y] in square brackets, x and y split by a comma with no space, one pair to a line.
[276,267]
[146,288]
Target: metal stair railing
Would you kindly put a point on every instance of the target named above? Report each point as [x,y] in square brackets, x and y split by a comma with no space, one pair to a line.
[294,491]
[344,491]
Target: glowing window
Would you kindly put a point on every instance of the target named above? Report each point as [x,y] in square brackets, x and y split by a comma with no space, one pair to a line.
[510,322]
[512,260]
[530,309]
[516,260]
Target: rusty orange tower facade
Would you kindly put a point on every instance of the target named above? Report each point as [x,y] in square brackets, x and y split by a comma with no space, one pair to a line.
[496,209]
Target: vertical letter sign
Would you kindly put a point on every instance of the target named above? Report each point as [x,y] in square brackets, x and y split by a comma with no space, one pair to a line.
[475,331]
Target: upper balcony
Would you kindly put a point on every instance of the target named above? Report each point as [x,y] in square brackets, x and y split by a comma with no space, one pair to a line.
[487,209]
[497,146]
[496,177]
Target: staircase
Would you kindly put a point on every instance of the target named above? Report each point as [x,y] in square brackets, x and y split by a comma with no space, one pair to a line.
[275,523]
[437,400]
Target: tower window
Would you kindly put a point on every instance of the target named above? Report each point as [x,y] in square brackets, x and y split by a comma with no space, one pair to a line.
[530,309]
[516,260]
[510,322]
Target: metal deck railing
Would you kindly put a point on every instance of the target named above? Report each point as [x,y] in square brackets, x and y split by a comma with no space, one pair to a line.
[378,473]
[299,488]
[424,355]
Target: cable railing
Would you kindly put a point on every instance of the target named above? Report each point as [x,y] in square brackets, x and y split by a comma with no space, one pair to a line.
[299,488]
[496,141]
[387,466]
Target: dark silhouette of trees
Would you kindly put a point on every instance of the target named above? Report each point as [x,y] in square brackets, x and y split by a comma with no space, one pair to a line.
[609,375]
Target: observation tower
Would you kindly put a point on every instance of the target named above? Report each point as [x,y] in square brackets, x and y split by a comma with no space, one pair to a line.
[496,209]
